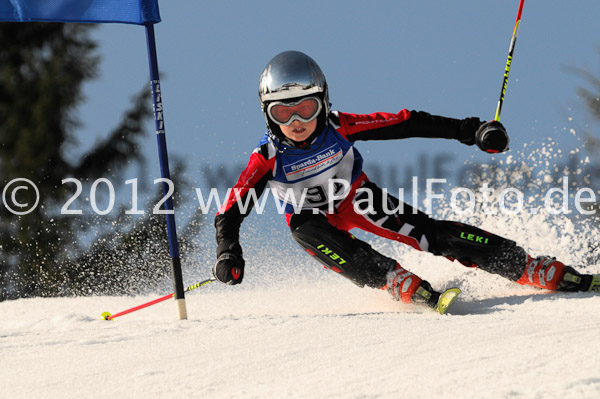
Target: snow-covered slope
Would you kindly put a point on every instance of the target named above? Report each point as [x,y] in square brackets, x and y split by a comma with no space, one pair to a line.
[307,338]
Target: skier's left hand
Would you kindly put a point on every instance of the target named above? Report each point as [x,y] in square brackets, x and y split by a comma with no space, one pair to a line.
[229,268]
[491,137]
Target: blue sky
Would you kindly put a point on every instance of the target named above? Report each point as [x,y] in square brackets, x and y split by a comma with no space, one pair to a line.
[443,57]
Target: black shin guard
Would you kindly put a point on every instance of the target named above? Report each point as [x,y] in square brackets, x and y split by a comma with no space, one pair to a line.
[473,246]
[340,251]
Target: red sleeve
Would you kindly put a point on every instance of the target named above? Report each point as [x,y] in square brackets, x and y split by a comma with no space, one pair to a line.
[389,126]
[255,176]
[229,218]
[351,124]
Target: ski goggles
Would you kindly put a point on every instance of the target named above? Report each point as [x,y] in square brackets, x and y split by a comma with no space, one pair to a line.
[304,110]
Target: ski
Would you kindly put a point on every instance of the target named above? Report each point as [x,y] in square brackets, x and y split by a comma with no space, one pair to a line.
[446,300]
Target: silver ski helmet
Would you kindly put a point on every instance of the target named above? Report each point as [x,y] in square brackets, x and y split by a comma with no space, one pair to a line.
[289,76]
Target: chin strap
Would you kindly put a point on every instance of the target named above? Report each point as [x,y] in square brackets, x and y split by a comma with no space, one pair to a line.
[288,143]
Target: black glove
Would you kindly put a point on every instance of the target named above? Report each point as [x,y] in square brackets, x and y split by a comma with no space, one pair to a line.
[491,137]
[229,268]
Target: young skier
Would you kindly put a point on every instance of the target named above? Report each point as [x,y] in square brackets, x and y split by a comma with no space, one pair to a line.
[308,157]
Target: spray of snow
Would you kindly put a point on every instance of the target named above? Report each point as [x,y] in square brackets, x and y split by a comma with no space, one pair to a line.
[295,330]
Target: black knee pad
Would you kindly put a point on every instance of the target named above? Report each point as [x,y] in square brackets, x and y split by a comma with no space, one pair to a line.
[471,245]
[340,251]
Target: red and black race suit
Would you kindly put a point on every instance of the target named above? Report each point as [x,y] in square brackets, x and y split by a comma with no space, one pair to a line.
[294,172]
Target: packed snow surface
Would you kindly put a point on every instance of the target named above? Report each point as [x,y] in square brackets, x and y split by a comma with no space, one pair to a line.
[313,335]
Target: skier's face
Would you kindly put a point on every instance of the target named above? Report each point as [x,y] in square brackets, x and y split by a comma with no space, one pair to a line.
[298,130]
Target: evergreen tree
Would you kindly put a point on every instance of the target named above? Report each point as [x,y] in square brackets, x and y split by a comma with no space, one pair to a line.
[42,69]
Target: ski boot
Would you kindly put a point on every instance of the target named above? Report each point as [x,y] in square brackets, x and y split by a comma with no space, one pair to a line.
[407,287]
[543,272]
[401,284]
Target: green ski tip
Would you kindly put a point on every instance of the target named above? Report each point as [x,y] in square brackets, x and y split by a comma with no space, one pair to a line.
[446,300]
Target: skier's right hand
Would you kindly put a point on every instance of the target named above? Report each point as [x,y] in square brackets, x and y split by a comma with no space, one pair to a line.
[492,137]
[229,268]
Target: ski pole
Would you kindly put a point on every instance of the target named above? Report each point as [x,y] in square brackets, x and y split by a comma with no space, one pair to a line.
[511,50]
[108,316]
